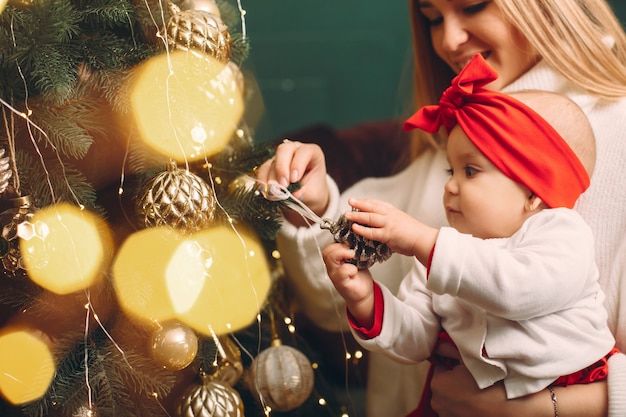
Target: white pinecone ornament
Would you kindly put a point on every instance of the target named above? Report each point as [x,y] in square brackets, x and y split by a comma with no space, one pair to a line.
[179,199]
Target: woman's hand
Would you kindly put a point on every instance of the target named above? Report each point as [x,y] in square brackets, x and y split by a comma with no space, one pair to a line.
[455,394]
[299,162]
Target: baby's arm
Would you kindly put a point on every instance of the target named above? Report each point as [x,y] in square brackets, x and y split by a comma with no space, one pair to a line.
[380,221]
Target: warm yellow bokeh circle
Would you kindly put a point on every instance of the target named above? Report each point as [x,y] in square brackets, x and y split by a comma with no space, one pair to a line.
[184,106]
[65,248]
[138,272]
[215,280]
[27,367]
[237,284]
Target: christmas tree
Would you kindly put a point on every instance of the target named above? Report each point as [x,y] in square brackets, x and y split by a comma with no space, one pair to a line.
[139,272]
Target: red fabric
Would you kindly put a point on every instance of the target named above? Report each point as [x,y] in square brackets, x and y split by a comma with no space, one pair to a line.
[423,408]
[511,135]
[596,372]
[379,309]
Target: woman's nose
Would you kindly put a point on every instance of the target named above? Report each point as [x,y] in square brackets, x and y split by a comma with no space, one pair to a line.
[454,35]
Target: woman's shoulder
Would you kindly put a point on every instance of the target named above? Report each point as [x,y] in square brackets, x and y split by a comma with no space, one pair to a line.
[545,78]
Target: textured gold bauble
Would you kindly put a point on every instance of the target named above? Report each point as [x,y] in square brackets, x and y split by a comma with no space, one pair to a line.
[211,399]
[200,32]
[15,221]
[174,345]
[229,367]
[6,171]
[177,198]
[282,377]
[204,5]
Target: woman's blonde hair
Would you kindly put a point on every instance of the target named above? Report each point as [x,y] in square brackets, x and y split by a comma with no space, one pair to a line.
[581,39]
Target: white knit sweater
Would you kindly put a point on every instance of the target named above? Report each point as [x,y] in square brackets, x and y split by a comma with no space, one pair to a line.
[603,206]
[393,388]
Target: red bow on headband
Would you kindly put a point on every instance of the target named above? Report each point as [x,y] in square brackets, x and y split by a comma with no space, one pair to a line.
[511,135]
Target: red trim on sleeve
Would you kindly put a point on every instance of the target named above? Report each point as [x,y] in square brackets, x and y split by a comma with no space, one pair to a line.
[379,309]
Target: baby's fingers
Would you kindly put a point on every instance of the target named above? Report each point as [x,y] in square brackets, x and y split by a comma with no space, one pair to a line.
[336,254]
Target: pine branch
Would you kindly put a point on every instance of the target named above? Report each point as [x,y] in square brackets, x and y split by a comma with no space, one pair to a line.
[66,181]
[106,13]
[248,206]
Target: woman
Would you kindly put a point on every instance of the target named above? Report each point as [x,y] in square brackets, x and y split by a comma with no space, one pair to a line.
[572,47]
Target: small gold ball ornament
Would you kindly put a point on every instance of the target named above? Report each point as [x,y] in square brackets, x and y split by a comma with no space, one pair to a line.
[21,4]
[199,32]
[179,199]
[282,377]
[174,345]
[229,367]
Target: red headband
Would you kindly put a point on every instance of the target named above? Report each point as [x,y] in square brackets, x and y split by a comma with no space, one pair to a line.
[511,135]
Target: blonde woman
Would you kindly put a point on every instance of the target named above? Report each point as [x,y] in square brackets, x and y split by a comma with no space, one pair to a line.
[572,47]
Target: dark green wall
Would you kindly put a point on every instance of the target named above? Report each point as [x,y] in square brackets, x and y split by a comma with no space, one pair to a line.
[338,62]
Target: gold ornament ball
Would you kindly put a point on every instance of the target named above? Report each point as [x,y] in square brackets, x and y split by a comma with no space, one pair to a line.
[16,223]
[282,377]
[21,4]
[174,345]
[211,399]
[177,198]
[201,33]
[209,6]
[229,367]
[242,183]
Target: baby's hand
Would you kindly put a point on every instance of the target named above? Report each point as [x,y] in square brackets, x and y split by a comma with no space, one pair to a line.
[354,285]
[380,221]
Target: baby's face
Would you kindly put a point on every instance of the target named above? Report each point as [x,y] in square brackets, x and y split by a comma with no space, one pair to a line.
[479,199]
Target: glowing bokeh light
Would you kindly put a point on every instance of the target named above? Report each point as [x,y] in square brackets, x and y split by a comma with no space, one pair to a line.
[237,281]
[138,272]
[184,106]
[64,248]
[215,280]
[27,366]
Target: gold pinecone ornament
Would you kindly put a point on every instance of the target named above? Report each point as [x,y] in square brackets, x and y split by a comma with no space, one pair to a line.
[177,198]
[200,32]
[211,399]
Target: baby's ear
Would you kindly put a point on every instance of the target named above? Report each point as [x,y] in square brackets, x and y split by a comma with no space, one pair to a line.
[533,203]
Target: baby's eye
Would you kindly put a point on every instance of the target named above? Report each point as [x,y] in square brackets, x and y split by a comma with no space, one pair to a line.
[449,171]
[470,171]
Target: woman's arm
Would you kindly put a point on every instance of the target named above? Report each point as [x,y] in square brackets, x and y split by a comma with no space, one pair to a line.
[455,394]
